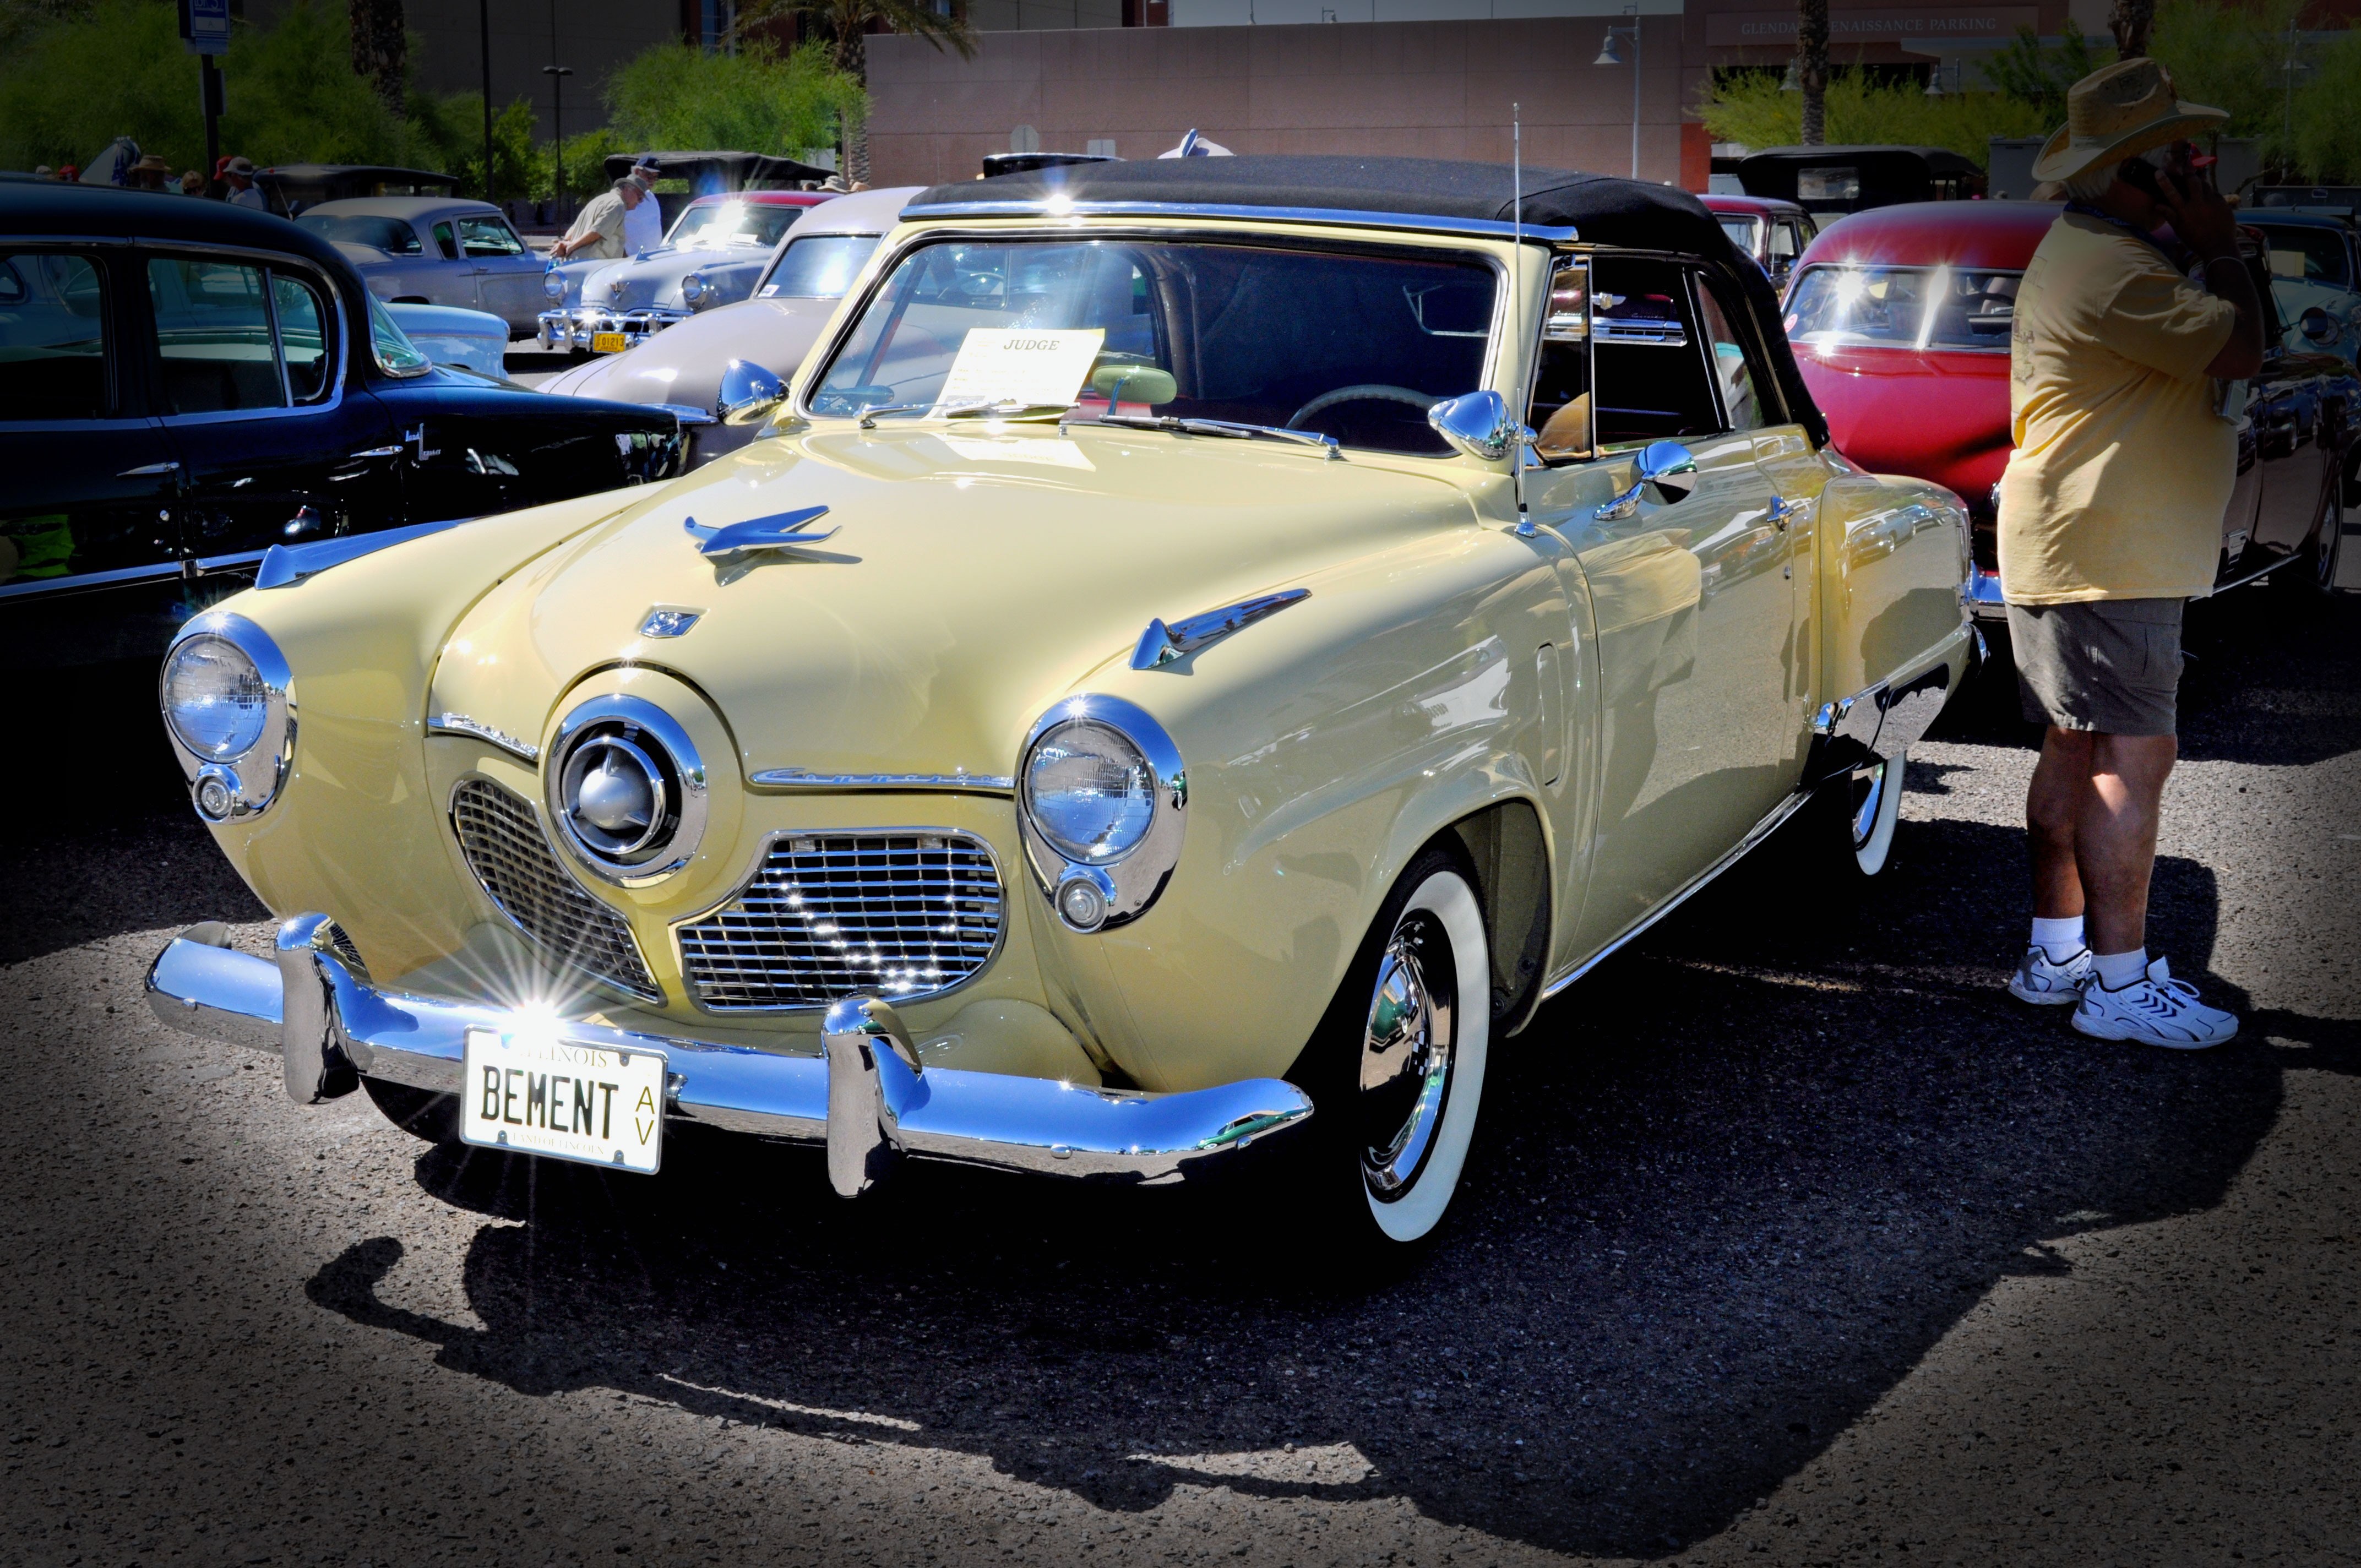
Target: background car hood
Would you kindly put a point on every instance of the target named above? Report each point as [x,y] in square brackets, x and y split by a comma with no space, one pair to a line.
[973,579]
[653,278]
[1940,417]
[683,364]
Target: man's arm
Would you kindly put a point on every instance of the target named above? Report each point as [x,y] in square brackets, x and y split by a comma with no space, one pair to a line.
[2205,224]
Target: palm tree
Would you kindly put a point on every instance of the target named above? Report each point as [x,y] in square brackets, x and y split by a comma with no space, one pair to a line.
[381,47]
[1812,68]
[2130,21]
[847,24]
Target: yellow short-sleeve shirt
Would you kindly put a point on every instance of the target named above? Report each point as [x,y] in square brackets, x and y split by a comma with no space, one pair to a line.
[2121,468]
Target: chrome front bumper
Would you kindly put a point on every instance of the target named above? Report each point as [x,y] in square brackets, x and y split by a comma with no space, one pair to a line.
[567,329]
[868,1098]
[1982,596]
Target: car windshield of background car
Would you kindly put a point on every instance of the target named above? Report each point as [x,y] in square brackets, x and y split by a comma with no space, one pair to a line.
[2316,255]
[1903,307]
[389,235]
[1350,345]
[488,236]
[727,224]
[52,338]
[1744,233]
[819,266]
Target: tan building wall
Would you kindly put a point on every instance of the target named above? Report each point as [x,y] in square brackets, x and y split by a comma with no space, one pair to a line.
[1417,89]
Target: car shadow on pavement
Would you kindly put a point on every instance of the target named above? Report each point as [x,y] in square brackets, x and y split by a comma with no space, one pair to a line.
[1729,1191]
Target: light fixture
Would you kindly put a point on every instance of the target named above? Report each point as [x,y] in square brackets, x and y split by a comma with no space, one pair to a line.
[1611,51]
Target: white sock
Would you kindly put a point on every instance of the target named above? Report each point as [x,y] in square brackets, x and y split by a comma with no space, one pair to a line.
[2062,939]
[2117,971]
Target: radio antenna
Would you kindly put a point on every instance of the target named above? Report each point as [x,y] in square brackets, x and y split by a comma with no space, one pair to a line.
[1517,170]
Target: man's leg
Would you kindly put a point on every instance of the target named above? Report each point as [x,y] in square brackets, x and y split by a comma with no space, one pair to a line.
[2114,835]
[2053,814]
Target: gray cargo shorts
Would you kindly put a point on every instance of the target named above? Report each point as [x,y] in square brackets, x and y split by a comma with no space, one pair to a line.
[2108,665]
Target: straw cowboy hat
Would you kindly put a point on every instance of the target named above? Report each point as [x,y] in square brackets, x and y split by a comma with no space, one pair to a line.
[2117,112]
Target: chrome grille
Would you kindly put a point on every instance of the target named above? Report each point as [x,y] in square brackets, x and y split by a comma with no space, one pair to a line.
[895,915]
[511,856]
[341,946]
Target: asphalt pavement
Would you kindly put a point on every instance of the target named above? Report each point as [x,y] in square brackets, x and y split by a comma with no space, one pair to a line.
[1790,1238]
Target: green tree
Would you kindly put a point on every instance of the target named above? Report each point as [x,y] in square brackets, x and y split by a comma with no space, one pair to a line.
[846,23]
[1748,106]
[2234,58]
[757,99]
[2327,141]
[2033,74]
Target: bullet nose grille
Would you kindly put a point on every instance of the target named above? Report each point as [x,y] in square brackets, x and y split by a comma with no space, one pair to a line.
[895,915]
[509,855]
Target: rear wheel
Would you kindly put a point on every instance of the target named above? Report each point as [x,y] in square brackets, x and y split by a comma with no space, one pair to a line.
[421,1113]
[1396,1071]
[2313,570]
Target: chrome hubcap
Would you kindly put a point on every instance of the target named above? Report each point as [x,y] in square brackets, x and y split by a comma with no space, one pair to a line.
[1868,796]
[1406,1056]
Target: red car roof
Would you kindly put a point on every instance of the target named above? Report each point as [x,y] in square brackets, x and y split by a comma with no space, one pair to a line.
[2000,235]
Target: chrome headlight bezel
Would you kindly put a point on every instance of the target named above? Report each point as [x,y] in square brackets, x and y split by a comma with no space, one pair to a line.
[1119,887]
[552,284]
[229,787]
[639,733]
[692,289]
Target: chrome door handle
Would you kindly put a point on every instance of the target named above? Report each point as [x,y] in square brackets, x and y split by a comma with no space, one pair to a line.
[378,452]
[145,469]
[1781,511]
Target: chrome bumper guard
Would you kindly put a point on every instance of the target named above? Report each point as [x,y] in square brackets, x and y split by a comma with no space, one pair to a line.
[868,1098]
[1981,595]
[573,328]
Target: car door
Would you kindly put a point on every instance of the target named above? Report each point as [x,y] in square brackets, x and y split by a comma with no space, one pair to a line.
[250,359]
[1691,590]
[90,559]
[508,275]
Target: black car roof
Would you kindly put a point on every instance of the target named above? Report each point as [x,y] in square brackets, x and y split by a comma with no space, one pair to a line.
[46,208]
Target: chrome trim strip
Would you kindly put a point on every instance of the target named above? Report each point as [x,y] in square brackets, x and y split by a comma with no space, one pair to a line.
[994,1120]
[131,574]
[801,778]
[284,565]
[1793,803]
[1339,216]
[477,729]
[1160,644]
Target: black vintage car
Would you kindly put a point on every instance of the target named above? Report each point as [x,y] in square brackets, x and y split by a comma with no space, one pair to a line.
[184,384]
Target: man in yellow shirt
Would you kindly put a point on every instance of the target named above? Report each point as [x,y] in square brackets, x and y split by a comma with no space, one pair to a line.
[2109,521]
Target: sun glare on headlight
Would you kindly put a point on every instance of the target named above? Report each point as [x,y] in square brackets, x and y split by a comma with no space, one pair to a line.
[214,698]
[1091,793]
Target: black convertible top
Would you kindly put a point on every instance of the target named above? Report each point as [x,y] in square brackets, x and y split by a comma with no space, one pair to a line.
[1599,209]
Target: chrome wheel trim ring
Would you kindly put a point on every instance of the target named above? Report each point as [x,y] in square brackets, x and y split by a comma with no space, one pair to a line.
[1871,804]
[1874,817]
[2331,541]
[1406,1053]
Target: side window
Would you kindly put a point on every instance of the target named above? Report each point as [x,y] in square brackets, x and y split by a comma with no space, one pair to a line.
[303,338]
[1651,366]
[1560,412]
[488,236]
[212,337]
[444,243]
[1786,244]
[52,337]
[1734,371]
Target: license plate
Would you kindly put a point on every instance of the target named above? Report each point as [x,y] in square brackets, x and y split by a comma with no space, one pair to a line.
[607,342]
[542,1094]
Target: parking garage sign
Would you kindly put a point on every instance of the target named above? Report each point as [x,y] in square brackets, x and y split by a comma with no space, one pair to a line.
[204,26]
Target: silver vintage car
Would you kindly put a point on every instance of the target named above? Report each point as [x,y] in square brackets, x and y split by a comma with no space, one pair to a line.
[430,250]
[712,254]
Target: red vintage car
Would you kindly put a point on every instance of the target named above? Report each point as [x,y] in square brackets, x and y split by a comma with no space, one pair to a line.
[1900,317]
[1772,232]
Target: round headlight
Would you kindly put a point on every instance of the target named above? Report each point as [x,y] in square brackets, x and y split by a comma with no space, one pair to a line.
[214,698]
[692,287]
[552,285]
[1090,793]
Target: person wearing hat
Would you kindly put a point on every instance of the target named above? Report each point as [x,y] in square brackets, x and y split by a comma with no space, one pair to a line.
[243,191]
[149,174]
[2110,521]
[643,222]
[598,231]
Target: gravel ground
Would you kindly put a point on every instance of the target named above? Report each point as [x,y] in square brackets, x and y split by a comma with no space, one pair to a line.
[1791,1239]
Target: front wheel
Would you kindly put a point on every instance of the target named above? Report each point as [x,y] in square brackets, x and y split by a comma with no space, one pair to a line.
[1861,810]
[1396,1071]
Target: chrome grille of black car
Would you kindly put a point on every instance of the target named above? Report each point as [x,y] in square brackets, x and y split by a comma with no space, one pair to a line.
[511,856]
[828,915]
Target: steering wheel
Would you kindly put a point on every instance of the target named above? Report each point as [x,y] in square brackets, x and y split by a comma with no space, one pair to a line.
[1378,391]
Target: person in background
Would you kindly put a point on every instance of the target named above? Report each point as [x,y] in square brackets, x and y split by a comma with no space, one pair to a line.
[43,172]
[149,174]
[643,223]
[243,191]
[599,232]
[2110,521]
[192,183]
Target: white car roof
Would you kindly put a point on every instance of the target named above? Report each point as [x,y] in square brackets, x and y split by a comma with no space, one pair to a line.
[863,212]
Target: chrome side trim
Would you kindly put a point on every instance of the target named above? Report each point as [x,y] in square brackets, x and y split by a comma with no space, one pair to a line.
[1162,644]
[1755,835]
[284,565]
[994,1120]
[477,729]
[803,778]
[132,573]
[1489,228]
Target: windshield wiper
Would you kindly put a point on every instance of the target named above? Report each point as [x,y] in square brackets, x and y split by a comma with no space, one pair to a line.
[1006,408]
[1229,429]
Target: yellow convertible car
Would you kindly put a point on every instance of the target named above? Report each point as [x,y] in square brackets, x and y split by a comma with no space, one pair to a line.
[1200,652]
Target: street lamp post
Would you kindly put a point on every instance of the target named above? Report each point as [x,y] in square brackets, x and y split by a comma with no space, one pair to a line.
[1610,52]
[558,75]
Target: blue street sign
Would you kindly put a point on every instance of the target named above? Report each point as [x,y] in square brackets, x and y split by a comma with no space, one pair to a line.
[204,26]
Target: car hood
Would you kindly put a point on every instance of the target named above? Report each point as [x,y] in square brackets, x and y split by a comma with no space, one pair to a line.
[1934,416]
[974,578]
[653,278]
[683,364]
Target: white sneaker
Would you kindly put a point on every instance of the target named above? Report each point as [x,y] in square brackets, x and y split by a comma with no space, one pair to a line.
[2048,984]
[2155,1011]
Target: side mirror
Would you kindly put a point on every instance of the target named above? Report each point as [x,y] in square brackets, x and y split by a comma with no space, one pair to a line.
[1480,424]
[2318,326]
[1666,467]
[749,391]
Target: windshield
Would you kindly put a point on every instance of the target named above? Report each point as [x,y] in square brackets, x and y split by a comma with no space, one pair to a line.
[389,235]
[732,222]
[1744,233]
[1903,307]
[2316,256]
[1352,344]
[819,266]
